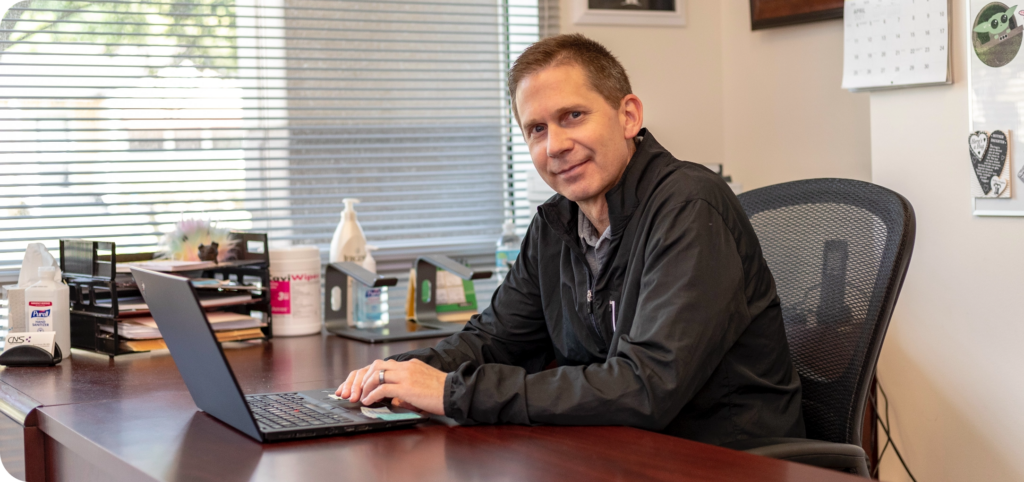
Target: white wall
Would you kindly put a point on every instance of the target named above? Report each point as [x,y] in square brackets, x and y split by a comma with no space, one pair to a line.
[676,72]
[785,115]
[767,104]
[952,359]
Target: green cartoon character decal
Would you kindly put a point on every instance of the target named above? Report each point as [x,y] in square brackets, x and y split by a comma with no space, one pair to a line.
[996,35]
[997,23]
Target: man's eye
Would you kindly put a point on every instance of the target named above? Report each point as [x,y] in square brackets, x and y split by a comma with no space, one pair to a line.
[576,115]
[538,129]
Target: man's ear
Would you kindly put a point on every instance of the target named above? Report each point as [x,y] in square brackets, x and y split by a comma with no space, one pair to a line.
[631,115]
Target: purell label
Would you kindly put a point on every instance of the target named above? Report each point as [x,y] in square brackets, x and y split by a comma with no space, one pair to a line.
[40,316]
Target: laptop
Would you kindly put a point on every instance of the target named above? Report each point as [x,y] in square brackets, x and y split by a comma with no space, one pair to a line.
[266,417]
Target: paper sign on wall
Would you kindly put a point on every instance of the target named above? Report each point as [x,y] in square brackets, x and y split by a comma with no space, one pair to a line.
[990,160]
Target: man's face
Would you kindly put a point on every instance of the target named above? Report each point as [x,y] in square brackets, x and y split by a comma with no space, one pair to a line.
[579,143]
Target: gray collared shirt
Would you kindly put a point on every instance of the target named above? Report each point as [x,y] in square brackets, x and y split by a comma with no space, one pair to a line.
[594,247]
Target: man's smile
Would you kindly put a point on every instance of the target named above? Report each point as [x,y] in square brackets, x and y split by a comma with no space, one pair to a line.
[573,169]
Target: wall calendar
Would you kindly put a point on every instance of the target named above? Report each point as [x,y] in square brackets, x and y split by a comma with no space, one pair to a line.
[896,43]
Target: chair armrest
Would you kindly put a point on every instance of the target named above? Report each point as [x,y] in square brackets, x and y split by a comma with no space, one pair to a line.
[818,453]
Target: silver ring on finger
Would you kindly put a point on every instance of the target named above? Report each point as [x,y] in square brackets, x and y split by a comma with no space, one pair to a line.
[380,377]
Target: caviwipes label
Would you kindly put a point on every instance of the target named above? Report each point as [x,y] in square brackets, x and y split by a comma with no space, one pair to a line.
[40,316]
[280,295]
[296,294]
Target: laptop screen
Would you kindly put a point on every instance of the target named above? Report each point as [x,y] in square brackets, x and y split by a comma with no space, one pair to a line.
[182,322]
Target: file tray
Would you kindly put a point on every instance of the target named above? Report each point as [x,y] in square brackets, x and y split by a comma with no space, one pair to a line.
[95,286]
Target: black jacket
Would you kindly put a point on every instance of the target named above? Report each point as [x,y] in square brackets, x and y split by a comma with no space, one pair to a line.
[698,348]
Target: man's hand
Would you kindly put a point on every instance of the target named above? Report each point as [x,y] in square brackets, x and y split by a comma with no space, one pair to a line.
[412,384]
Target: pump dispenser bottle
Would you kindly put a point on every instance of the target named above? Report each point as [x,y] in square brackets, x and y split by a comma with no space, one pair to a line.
[349,244]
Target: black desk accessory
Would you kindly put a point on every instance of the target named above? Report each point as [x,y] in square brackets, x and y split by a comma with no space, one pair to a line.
[395,330]
[426,288]
[90,270]
[30,356]
[336,320]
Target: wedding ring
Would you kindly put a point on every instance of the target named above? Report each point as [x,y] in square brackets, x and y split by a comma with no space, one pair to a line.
[380,377]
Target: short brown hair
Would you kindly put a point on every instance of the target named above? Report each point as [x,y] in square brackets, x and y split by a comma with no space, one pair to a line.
[605,73]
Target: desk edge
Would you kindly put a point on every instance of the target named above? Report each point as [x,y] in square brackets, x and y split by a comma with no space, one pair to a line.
[16,405]
[113,465]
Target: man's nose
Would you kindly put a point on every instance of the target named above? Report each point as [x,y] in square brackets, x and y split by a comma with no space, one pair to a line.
[559,142]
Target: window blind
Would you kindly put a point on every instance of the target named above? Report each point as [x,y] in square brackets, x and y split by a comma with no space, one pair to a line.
[119,118]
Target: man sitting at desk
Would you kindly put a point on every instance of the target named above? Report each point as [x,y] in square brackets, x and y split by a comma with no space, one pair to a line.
[642,279]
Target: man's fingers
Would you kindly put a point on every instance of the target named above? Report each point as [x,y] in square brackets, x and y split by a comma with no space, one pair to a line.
[372,377]
[384,391]
[369,381]
[357,385]
[395,376]
[345,386]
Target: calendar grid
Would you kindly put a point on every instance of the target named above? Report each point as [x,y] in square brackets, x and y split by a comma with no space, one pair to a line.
[896,43]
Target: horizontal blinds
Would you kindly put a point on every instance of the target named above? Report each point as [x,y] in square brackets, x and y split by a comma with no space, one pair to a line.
[120,118]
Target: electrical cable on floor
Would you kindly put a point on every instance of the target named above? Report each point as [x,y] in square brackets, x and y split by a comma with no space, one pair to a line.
[888,436]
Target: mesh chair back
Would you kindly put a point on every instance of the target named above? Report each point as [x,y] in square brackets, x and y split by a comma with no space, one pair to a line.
[838,250]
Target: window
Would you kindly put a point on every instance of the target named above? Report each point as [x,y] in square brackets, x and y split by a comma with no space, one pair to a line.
[119,118]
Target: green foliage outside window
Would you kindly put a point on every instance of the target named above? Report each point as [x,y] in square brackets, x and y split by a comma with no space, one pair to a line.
[200,31]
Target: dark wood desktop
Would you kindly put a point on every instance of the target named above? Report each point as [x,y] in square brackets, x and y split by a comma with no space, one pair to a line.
[131,418]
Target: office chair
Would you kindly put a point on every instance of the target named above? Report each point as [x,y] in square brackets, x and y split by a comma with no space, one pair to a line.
[839,251]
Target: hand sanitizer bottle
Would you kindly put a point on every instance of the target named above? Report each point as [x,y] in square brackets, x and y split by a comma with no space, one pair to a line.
[47,308]
[349,244]
[508,250]
[371,310]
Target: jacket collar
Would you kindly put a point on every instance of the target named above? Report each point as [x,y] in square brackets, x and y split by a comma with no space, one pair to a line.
[636,183]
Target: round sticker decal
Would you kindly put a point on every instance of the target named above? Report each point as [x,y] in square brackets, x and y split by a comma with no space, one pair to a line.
[996,34]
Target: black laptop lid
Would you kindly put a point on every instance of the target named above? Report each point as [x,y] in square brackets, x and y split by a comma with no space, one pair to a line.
[200,360]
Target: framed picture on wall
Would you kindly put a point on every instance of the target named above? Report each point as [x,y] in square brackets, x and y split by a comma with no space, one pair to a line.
[776,13]
[669,13]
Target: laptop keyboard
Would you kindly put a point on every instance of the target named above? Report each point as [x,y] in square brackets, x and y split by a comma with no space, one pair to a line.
[291,410]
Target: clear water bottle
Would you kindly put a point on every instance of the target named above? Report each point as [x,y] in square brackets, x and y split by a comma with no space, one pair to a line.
[508,250]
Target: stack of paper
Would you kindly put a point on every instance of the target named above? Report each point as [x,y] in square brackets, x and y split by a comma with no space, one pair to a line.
[166,265]
[208,299]
[142,334]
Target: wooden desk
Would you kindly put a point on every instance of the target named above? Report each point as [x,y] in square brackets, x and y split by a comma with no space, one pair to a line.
[131,418]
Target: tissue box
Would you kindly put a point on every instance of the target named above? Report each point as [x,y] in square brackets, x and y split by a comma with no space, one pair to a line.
[15,297]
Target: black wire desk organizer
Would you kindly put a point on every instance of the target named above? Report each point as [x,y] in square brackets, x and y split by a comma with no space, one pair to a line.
[97,289]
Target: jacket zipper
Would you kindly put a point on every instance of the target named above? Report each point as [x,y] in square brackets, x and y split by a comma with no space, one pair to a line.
[590,306]
[612,303]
